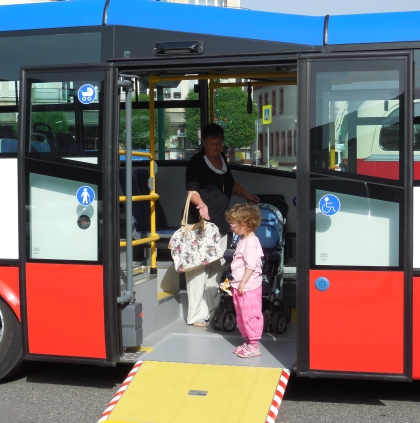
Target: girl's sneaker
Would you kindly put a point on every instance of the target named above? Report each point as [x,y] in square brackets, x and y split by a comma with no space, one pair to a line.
[235,350]
[249,351]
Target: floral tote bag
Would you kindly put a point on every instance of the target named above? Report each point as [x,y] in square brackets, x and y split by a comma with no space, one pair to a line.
[194,245]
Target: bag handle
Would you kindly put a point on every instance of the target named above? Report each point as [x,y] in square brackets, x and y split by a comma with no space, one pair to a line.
[186,210]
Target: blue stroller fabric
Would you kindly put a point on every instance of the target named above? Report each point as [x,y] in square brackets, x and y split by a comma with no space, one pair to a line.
[270,231]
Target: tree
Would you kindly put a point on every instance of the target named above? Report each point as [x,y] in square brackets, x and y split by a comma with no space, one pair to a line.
[230,112]
[56,121]
[141,126]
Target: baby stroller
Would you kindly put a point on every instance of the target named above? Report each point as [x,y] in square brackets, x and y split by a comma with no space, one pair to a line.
[271,233]
[224,317]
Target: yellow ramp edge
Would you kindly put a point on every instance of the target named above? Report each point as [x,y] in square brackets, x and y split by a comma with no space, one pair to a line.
[162,392]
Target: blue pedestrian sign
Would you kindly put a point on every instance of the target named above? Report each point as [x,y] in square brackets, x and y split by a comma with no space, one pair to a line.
[329,205]
[86,93]
[85,195]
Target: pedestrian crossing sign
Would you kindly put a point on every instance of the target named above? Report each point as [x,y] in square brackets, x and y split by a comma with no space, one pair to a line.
[267,115]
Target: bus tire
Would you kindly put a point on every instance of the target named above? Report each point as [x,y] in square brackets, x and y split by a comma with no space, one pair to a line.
[267,325]
[279,322]
[11,355]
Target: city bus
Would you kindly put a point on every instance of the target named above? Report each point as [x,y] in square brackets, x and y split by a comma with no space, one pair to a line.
[78,285]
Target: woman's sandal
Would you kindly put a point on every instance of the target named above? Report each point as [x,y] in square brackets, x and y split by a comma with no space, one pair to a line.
[200,323]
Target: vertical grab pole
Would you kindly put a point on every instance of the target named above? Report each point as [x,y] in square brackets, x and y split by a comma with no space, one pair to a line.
[128,88]
[211,101]
[152,80]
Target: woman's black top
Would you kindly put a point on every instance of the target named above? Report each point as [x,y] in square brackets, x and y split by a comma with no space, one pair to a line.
[215,190]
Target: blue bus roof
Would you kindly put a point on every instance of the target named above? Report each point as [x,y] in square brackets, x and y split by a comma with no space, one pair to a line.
[218,21]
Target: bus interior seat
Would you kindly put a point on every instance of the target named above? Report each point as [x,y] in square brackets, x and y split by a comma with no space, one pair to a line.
[8,145]
[163,229]
[40,147]
[141,209]
[45,130]
[66,143]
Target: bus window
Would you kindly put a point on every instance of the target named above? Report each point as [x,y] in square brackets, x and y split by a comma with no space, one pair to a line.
[65,120]
[8,117]
[281,153]
[181,109]
[358,130]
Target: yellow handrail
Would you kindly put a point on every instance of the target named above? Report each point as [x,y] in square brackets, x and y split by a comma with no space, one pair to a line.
[152,237]
[152,196]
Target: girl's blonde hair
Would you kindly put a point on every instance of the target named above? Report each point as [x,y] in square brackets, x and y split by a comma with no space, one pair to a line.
[244,213]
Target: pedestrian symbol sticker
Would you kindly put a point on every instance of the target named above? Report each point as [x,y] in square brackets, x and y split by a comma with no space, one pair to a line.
[86,94]
[329,205]
[85,195]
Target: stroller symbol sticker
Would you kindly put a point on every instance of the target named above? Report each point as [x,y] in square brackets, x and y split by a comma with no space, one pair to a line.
[329,205]
[86,94]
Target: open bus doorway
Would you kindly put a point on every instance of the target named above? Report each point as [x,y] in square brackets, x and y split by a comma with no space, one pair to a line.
[164,299]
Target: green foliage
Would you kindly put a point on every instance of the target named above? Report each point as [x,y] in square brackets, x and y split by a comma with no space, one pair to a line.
[230,112]
[57,121]
[141,127]
[192,120]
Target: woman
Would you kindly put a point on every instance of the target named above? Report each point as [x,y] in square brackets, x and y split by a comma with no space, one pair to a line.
[209,174]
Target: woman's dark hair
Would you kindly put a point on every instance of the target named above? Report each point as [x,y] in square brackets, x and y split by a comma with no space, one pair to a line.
[212,130]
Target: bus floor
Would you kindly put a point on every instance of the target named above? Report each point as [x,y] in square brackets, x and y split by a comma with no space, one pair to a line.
[182,343]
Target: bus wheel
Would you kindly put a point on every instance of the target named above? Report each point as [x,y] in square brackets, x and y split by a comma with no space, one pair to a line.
[214,319]
[279,322]
[227,321]
[266,316]
[10,341]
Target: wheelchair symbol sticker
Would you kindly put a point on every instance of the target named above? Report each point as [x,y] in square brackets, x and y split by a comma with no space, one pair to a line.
[329,205]
[86,94]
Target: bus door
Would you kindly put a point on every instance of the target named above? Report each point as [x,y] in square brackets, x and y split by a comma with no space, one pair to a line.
[355,229]
[68,164]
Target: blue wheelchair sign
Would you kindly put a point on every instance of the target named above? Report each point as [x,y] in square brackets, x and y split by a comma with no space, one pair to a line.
[86,94]
[85,195]
[329,205]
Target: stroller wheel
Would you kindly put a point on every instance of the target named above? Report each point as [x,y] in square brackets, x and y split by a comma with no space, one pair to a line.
[227,321]
[266,315]
[213,319]
[279,322]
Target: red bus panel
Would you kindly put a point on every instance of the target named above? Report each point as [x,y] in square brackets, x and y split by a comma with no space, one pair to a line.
[65,305]
[9,288]
[387,170]
[357,324]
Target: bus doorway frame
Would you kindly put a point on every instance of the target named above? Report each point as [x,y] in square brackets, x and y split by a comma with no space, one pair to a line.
[110,250]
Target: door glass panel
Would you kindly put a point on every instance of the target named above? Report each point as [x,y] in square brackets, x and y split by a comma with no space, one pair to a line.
[357,230]
[65,117]
[356,126]
[61,226]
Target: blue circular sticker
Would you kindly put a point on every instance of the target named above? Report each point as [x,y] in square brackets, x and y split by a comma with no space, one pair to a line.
[86,93]
[322,284]
[85,195]
[329,205]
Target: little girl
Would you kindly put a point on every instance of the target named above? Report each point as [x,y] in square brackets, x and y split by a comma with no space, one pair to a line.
[247,280]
